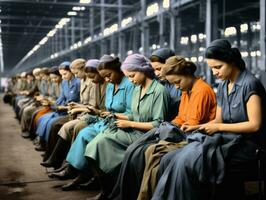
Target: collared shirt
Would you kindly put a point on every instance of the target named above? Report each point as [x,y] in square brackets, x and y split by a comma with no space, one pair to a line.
[198,107]
[69,92]
[234,104]
[153,106]
[119,101]
[87,92]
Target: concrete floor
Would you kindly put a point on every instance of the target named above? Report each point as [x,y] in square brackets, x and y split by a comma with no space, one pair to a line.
[21,176]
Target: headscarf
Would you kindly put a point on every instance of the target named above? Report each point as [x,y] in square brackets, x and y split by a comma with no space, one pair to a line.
[163,53]
[138,62]
[221,49]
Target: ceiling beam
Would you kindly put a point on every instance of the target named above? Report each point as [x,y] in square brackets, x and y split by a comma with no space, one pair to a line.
[67,4]
[35,26]
[31,18]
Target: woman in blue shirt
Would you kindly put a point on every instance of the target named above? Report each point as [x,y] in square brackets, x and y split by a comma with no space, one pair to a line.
[70,89]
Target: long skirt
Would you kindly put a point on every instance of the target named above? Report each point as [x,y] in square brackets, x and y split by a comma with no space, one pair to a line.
[76,153]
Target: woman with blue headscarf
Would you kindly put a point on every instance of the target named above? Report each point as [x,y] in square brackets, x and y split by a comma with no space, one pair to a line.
[70,89]
[149,107]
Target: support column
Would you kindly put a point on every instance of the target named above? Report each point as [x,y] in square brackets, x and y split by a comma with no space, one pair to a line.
[211,29]
[66,37]
[263,41]
[81,24]
[91,23]
[72,30]
[102,43]
[121,46]
[144,29]
[161,26]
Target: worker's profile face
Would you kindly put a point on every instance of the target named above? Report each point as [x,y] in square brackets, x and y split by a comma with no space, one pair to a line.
[110,75]
[66,75]
[137,78]
[220,69]
[157,66]
[94,77]
[180,81]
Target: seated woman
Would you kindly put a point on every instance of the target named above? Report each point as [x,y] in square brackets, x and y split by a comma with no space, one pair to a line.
[87,98]
[197,106]
[67,130]
[118,100]
[150,106]
[69,93]
[231,138]
[158,59]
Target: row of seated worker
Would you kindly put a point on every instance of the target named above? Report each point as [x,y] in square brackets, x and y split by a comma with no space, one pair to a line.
[144,128]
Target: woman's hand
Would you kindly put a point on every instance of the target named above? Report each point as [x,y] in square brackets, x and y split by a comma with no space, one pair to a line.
[104,114]
[189,128]
[123,123]
[209,128]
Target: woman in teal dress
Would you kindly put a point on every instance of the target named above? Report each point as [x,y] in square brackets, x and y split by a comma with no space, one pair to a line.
[117,100]
[149,107]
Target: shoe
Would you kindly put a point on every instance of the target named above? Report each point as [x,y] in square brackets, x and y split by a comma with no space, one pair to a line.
[26,134]
[36,141]
[58,155]
[75,183]
[92,184]
[67,173]
[63,166]
[40,147]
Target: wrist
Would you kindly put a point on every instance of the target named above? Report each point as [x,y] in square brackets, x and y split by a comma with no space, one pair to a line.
[132,125]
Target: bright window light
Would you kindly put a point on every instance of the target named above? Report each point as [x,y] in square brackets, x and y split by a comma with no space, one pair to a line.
[43,41]
[258,53]
[193,38]
[154,46]
[112,54]
[87,40]
[166,3]
[79,44]
[184,40]
[51,33]
[152,9]
[230,31]
[253,53]
[244,54]
[126,21]
[201,36]
[200,58]
[244,28]
[84,1]
[194,59]
[36,47]
[58,26]
[72,13]
[255,26]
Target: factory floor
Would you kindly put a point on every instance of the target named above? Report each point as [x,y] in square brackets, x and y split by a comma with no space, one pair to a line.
[21,175]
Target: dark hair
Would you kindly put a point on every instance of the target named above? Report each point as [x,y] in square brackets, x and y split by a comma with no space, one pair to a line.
[55,70]
[90,70]
[221,50]
[45,71]
[114,64]
[154,58]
